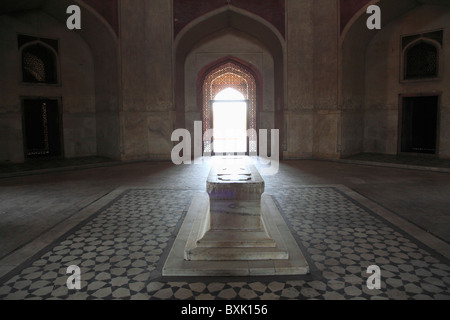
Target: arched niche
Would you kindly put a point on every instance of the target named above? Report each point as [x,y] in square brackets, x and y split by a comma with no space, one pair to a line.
[39,63]
[371,72]
[224,20]
[421,60]
[355,40]
[98,46]
[230,73]
[103,41]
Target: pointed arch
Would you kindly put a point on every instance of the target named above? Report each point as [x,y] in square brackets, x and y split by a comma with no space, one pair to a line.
[229,94]
[230,72]
[229,18]
[104,43]
[421,59]
[39,63]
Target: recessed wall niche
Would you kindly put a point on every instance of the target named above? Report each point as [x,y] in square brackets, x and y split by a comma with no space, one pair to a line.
[39,60]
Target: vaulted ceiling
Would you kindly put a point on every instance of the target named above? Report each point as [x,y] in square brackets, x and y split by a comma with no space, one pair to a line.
[186,11]
[350,7]
[107,9]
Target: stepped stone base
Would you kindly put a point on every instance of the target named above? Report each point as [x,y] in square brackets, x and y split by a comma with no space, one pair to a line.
[179,264]
[234,229]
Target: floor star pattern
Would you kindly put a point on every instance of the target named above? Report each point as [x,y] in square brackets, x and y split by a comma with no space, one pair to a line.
[121,250]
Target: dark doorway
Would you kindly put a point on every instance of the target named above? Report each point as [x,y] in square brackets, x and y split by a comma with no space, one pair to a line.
[419,124]
[42,129]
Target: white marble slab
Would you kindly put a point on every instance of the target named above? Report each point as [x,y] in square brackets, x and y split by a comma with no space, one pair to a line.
[294,263]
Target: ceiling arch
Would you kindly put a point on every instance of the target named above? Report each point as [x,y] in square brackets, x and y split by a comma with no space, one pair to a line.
[104,10]
[352,11]
[186,11]
[227,18]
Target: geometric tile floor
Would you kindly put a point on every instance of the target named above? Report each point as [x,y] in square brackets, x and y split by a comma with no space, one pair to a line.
[121,250]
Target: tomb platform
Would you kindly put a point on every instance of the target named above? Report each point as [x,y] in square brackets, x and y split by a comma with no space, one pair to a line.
[234,229]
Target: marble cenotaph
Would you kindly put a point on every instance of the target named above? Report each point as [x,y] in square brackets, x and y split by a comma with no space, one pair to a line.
[234,229]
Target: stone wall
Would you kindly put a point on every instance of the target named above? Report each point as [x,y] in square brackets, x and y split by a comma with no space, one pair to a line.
[147,116]
[311,111]
[75,89]
[129,79]
[383,81]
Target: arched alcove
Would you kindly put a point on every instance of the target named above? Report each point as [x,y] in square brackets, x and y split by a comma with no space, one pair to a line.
[230,73]
[39,63]
[228,20]
[421,60]
[372,73]
[103,41]
[230,117]
[90,54]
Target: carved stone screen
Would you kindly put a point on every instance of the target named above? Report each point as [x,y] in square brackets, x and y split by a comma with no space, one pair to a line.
[229,75]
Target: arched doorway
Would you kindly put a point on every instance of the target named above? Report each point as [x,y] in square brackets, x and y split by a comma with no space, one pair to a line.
[228,20]
[229,114]
[229,92]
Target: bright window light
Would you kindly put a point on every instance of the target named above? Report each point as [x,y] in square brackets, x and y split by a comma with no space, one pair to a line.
[229,94]
[230,122]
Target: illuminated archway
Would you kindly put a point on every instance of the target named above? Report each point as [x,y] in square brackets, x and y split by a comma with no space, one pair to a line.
[229,120]
[229,75]
[223,19]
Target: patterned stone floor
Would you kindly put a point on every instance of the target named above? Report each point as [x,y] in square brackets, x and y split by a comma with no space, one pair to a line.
[121,250]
